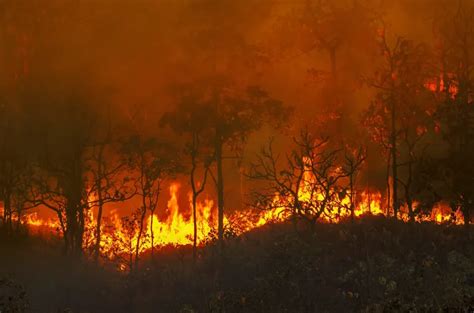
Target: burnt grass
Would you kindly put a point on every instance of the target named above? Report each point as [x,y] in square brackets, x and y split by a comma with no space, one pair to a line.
[372,265]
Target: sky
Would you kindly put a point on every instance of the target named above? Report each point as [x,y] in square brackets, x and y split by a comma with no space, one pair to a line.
[131,56]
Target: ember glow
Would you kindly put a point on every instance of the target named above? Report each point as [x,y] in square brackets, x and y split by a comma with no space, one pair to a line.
[437,85]
[177,228]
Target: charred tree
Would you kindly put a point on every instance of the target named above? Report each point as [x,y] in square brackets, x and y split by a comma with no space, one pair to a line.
[307,183]
[154,161]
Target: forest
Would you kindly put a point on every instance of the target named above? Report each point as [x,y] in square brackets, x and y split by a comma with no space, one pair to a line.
[236,156]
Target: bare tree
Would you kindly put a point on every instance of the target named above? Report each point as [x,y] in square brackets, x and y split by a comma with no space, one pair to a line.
[352,164]
[109,183]
[455,32]
[154,162]
[306,185]
[192,121]
[197,187]
[398,82]
[229,114]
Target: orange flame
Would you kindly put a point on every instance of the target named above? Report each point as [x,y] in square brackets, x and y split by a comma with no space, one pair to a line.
[120,235]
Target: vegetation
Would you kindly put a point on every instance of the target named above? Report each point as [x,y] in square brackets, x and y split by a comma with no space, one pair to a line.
[317,156]
[373,265]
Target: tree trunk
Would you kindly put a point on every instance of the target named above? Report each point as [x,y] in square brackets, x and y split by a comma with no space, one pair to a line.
[411,212]
[393,151]
[75,206]
[351,186]
[143,184]
[80,231]
[8,210]
[71,228]
[152,234]
[194,227]
[220,191]
[98,231]
[409,200]
[466,214]
[140,232]
[389,187]
[5,215]
[100,204]
[64,231]
[18,213]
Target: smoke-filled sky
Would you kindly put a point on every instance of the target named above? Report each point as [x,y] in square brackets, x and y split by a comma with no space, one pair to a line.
[135,50]
[131,55]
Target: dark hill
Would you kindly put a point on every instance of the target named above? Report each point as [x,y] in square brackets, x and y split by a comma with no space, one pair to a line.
[373,265]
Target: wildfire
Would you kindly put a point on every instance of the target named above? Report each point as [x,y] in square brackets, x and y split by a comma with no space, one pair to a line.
[438,85]
[371,203]
[177,229]
[120,234]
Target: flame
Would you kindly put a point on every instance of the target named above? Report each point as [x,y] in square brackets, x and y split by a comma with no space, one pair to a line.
[177,229]
[119,235]
[371,203]
[437,84]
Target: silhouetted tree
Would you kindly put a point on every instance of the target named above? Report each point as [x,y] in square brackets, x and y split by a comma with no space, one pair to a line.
[233,115]
[393,115]
[455,35]
[154,162]
[306,182]
[64,125]
[193,122]
[351,166]
[14,163]
[109,182]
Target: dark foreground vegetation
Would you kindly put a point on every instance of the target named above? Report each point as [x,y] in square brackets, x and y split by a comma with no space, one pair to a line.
[373,265]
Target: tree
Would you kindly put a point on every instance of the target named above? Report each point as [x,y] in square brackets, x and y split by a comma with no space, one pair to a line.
[193,122]
[14,164]
[308,183]
[395,115]
[352,164]
[455,114]
[109,183]
[15,159]
[106,164]
[63,125]
[154,162]
[333,37]
[233,114]
[328,26]
[124,234]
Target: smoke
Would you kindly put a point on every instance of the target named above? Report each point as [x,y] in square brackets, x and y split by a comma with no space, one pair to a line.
[128,55]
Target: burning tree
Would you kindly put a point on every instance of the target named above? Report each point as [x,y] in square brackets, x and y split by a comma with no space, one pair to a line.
[309,183]
[397,118]
[61,182]
[15,167]
[154,162]
[330,38]
[455,41]
[15,132]
[354,158]
[235,115]
[64,176]
[108,182]
[193,122]
[231,115]
[124,234]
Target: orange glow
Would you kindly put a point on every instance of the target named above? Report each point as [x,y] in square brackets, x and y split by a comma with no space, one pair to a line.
[119,238]
[437,85]
[371,203]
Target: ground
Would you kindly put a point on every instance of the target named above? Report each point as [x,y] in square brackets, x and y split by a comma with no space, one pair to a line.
[372,265]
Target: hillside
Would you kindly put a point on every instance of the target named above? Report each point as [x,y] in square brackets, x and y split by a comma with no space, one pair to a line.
[375,265]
